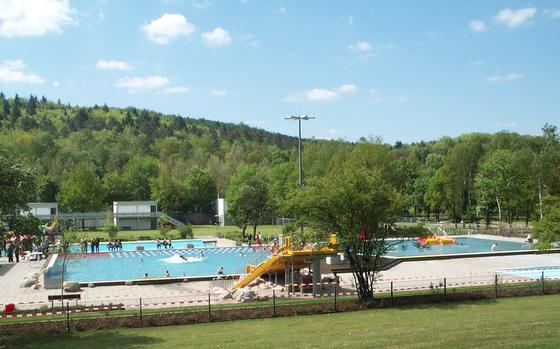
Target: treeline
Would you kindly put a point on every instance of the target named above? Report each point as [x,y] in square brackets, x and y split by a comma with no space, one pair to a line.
[88,157]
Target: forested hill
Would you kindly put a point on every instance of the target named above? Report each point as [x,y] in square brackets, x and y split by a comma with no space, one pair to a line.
[53,138]
[86,157]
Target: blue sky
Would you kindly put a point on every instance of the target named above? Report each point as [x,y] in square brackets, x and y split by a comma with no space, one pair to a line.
[403,70]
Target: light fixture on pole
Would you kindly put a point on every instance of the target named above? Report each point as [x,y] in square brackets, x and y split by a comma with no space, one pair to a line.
[299,118]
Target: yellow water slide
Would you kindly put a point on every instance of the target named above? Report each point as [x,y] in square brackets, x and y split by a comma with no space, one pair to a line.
[276,262]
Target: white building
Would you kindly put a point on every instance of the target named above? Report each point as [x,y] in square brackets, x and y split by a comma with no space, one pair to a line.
[43,210]
[221,212]
[135,215]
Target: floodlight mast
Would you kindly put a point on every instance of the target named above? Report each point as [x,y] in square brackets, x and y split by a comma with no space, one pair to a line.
[299,118]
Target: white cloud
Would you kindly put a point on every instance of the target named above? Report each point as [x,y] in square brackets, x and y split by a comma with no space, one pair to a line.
[504,78]
[112,65]
[477,26]
[361,46]
[201,5]
[217,37]
[322,94]
[176,89]
[552,13]
[218,93]
[477,62]
[56,83]
[167,27]
[377,97]
[333,130]
[280,11]
[514,18]
[347,88]
[12,71]
[314,95]
[20,18]
[145,83]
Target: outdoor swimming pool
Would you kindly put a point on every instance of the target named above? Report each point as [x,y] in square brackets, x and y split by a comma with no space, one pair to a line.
[550,272]
[464,244]
[150,245]
[198,262]
[130,265]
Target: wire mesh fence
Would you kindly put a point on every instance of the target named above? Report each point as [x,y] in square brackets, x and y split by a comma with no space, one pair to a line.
[266,294]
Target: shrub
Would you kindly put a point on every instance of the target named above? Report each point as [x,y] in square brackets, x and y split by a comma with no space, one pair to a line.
[111,230]
[186,232]
[163,231]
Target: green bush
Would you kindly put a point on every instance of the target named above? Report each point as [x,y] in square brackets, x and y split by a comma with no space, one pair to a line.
[111,230]
[186,232]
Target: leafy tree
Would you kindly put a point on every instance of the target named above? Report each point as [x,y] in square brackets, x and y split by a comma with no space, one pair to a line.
[547,158]
[168,192]
[499,182]
[248,198]
[17,187]
[137,176]
[199,190]
[26,225]
[47,189]
[83,191]
[547,230]
[359,205]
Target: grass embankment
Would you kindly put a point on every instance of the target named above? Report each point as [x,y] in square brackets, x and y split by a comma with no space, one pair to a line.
[530,322]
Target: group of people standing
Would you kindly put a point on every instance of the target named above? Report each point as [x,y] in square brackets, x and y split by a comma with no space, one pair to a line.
[93,245]
[12,248]
[258,239]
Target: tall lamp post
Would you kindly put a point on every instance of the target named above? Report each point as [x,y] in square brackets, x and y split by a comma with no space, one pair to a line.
[299,118]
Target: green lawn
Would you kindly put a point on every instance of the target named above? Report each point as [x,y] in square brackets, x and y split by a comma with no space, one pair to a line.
[198,230]
[529,322]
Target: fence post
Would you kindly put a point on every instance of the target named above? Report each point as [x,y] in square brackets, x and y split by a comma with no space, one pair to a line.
[542,282]
[495,285]
[67,317]
[209,309]
[391,292]
[141,312]
[445,288]
[335,291]
[273,303]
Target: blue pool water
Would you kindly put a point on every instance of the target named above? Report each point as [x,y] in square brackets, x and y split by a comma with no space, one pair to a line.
[464,245]
[551,272]
[129,265]
[149,245]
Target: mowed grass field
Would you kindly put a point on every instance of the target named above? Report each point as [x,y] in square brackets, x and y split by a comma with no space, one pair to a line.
[198,230]
[528,322]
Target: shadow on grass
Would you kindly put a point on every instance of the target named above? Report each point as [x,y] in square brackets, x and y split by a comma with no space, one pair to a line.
[90,340]
[445,305]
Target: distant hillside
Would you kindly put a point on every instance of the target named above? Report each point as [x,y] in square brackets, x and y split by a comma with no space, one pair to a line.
[54,138]
[108,154]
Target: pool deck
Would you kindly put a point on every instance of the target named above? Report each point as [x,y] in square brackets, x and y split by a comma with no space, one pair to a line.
[403,275]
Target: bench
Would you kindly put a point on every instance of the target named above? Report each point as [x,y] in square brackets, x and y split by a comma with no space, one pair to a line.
[57,297]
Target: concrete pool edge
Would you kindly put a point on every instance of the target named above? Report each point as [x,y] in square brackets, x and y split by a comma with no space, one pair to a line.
[389,262]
